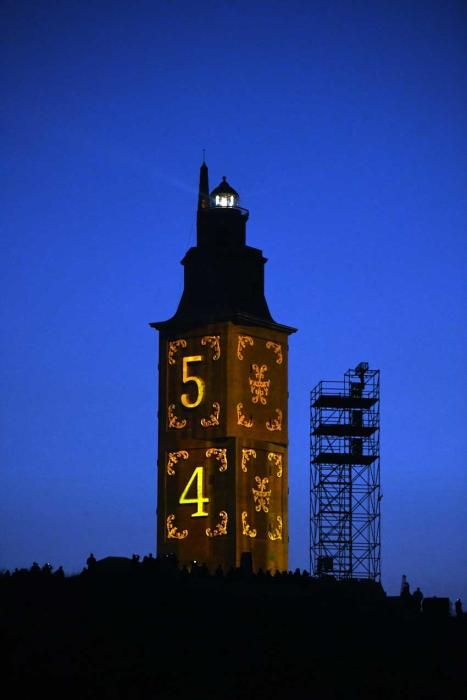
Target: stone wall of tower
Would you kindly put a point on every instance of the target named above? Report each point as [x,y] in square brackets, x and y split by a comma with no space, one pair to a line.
[236,439]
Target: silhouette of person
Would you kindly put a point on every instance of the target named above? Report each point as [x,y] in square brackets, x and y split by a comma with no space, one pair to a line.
[458,608]
[407,602]
[35,568]
[91,561]
[417,597]
[405,587]
[149,562]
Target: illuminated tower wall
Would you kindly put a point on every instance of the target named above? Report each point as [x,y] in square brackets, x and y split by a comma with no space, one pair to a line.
[222,419]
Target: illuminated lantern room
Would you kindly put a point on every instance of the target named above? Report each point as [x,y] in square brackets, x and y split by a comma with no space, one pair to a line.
[220,218]
[224,195]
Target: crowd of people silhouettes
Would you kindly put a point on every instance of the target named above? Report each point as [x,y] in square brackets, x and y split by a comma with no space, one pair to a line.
[167,565]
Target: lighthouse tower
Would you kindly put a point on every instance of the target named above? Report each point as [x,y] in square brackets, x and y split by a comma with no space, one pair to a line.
[222,418]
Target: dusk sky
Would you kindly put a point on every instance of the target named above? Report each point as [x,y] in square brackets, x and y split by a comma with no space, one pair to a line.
[342,124]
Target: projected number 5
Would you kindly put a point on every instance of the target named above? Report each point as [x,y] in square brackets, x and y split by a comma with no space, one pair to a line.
[187,400]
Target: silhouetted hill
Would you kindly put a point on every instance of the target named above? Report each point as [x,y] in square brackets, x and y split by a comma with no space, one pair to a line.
[125,629]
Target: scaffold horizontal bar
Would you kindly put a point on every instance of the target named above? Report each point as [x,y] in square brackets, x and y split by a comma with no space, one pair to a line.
[343,458]
[340,430]
[342,401]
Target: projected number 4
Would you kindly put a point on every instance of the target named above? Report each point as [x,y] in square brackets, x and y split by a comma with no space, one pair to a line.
[198,477]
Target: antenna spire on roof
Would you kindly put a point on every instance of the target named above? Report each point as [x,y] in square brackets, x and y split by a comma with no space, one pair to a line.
[203,192]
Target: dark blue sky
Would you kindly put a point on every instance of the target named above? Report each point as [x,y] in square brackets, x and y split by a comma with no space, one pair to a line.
[342,125]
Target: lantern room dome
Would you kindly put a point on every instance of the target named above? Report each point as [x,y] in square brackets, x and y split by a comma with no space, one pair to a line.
[224,195]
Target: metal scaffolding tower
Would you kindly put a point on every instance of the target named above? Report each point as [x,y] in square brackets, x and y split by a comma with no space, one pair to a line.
[345,535]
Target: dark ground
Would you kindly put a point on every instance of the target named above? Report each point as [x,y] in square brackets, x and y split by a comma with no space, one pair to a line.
[133,631]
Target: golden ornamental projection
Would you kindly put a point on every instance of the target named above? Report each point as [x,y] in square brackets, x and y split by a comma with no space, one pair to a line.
[213,419]
[275,533]
[276,458]
[173,458]
[275,423]
[221,527]
[174,345]
[220,453]
[246,456]
[259,386]
[247,529]
[243,341]
[174,422]
[214,342]
[277,349]
[261,495]
[173,532]
[242,419]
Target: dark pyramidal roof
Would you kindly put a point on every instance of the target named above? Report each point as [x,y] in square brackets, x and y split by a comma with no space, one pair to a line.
[224,188]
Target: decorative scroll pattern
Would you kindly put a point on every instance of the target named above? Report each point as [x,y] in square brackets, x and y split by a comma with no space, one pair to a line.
[275,533]
[220,453]
[277,349]
[172,531]
[275,423]
[261,495]
[173,348]
[173,459]
[214,342]
[242,419]
[221,527]
[175,422]
[243,341]
[259,386]
[246,456]
[277,459]
[247,529]
[213,419]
